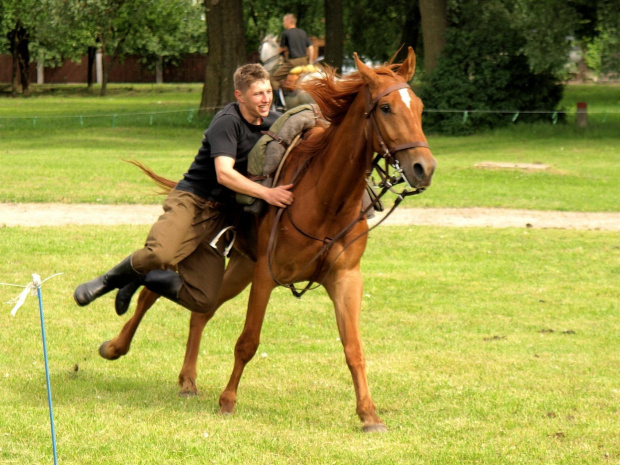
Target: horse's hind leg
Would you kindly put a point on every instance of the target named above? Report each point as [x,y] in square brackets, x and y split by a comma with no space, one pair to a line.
[119,346]
[345,289]
[237,276]
[248,341]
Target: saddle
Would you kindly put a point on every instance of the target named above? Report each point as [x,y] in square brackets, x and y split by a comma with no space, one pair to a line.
[268,154]
[290,83]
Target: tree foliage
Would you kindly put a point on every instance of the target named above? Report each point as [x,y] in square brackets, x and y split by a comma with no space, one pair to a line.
[18,26]
[377,29]
[493,47]
[485,71]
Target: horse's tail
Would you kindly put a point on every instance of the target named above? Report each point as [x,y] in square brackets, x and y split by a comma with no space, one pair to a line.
[166,185]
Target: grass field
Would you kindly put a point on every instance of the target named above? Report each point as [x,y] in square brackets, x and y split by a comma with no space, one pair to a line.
[490,346]
[483,346]
[54,158]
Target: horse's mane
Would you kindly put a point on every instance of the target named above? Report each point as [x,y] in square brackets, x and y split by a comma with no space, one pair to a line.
[334,96]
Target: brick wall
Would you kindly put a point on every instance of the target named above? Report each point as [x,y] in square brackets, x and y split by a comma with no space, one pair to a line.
[191,69]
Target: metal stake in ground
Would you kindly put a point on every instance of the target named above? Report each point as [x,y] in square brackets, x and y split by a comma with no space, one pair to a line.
[36,279]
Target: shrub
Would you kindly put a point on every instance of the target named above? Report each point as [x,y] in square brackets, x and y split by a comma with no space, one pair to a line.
[482,70]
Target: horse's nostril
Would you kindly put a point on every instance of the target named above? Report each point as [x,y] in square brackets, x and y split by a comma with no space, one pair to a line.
[418,170]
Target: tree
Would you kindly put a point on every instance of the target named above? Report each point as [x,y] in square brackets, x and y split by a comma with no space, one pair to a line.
[484,71]
[157,30]
[226,44]
[375,28]
[597,33]
[410,36]
[18,24]
[171,29]
[434,18]
[334,33]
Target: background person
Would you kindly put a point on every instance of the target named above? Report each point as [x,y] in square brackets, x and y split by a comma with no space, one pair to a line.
[295,41]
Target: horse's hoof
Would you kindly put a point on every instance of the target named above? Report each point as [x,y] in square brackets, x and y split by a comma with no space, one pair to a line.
[102,352]
[187,393]
[374,428]
[225,413]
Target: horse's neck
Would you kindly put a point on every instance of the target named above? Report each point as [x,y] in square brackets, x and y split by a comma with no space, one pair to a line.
[345,161]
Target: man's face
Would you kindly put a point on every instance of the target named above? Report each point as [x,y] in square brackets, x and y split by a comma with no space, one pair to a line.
[256,101]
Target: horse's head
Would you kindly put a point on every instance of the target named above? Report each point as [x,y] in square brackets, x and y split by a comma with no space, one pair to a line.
[395,121]
[269,52]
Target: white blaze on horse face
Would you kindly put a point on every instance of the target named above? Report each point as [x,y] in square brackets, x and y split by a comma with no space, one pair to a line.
[404,94]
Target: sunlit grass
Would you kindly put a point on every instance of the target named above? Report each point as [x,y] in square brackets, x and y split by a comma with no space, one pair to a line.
[60,159]
[483,346]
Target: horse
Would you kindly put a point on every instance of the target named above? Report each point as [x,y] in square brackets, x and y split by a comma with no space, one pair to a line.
[321,237]
[269,52]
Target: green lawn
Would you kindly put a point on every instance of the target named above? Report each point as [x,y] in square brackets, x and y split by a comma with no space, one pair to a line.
[494,346]
[491,346]
[58,157]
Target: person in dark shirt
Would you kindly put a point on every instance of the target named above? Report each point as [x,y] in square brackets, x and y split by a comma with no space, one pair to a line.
[190,235]
[300,51]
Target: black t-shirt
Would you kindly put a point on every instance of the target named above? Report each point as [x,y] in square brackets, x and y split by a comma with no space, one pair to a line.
[229,134]
[297,42]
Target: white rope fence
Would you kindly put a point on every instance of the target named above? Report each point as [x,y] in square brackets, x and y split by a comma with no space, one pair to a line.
[192,111]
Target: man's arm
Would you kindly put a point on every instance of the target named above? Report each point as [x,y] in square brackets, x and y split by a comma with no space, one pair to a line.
[280,196]
[310,52]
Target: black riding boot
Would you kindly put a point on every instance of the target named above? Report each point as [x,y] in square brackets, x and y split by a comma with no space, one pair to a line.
[166,283]
[117,277]
[124,295]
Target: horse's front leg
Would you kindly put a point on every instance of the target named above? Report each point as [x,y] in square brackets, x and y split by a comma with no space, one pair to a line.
[345,289]
[237,276]
[119,346]
[247,344]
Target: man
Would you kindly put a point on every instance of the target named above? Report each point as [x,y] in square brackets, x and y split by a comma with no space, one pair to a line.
[300,51]
[188,236]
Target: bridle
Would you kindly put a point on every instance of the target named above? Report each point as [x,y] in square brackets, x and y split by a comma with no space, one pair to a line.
[386,153]
[272,58]
[386,184]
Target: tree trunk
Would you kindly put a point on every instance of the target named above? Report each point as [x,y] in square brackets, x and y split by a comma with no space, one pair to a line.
[434,24]
[23,53]
[92,54]
[411,31]
[104,76]
[18,41]
[105,69]
[12,36]
[226,42]
[334,34]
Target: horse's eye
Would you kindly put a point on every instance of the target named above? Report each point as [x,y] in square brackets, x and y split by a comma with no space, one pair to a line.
[386,108]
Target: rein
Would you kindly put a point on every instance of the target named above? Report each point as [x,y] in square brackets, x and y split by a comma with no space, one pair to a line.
[387,184]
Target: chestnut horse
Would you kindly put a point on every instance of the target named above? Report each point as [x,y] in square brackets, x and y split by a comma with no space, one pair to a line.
[322,236]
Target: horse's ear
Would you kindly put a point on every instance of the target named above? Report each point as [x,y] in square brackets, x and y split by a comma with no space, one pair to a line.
[369,76]
[407,69]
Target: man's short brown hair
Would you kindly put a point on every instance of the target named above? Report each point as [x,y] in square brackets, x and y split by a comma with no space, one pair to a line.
[247,75]
[290,17]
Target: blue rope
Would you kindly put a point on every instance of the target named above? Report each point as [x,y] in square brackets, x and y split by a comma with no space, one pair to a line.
[47,371]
